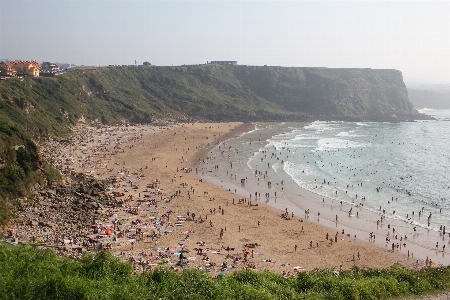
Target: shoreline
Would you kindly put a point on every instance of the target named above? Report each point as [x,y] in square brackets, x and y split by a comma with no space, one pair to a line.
[363,226]
[202,152]
[151,226]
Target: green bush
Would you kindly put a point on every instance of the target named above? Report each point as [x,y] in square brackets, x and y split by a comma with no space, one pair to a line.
[27,273]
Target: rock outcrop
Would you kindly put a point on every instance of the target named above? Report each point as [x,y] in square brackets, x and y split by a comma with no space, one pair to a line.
[62,216]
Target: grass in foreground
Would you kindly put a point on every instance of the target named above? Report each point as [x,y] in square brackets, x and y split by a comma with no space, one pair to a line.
[27,273]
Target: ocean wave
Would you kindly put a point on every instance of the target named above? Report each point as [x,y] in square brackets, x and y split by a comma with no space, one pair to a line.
[347,134]
[249,162]
[291,144]
[305,137]
[283,134]
[334,143]
[277,144]
[276,167]
[320,126]
[297,171]
[248,132]
[423,110]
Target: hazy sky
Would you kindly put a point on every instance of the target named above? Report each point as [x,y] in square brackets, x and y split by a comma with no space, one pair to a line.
[411,36]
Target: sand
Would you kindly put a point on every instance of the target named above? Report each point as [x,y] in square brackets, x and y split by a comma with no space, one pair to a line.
[237,234]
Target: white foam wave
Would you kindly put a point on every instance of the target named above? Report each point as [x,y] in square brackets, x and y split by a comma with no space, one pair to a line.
[288,144]
[276,167]
[251,131]
[423,110]
[334,143]
[285,137]
[250,161]
[305,137]
[297,171]
[277,144]
[320,126]
[347,134]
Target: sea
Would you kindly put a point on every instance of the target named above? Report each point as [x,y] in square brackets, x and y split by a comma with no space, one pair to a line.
[373,176]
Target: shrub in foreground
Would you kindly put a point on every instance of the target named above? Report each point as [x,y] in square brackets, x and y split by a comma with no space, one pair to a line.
[27,273]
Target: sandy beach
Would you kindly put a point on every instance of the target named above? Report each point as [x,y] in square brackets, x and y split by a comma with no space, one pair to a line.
[163,214]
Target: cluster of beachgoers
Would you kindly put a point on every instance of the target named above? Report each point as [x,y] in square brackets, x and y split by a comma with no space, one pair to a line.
[156,212]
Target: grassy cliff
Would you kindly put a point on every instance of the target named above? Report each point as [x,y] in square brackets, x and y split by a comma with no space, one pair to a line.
[212,92]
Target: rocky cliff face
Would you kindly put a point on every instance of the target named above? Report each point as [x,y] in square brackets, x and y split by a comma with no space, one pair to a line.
[350,94]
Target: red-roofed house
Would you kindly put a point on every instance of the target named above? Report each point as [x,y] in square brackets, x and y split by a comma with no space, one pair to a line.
[7,71]
[28,67]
